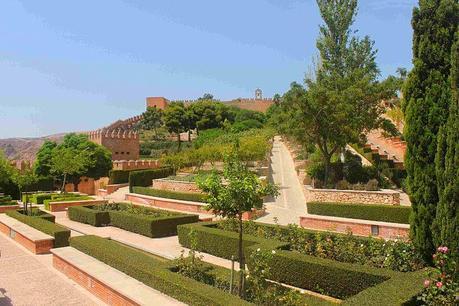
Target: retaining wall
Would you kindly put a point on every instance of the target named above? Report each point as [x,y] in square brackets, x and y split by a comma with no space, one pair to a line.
[388,197]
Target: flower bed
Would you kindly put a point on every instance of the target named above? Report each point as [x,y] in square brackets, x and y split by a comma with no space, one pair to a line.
[384,197]
[61,234]
[55,200]
[383,213]
[153,272]
[138,219]
[337,279]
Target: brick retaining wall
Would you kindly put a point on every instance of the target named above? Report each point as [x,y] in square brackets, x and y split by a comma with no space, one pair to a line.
[388,197]
[185,206]
[61,206]
[36,247]
[357,227]
[95,287]
[5,208]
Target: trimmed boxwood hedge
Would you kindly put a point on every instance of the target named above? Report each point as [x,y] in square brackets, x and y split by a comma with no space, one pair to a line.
[153,272]
[61,234]
[383,213]
[176,195]
[341,280]
[119,176]
[85,214]
[150,226]
[144,178]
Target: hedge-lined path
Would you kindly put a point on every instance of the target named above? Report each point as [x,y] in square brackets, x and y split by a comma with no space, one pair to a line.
[291,203]
[27,279]
[168,247]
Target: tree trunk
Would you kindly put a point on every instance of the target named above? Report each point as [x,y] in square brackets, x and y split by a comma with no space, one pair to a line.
[179,142]
[241,260]
[189,135]
[63,183]
[327,170]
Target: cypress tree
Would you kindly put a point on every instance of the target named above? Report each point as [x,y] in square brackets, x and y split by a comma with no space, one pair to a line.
[446,225]
[427,95]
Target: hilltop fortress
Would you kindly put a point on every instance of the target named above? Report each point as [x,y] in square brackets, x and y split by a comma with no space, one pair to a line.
[123,142]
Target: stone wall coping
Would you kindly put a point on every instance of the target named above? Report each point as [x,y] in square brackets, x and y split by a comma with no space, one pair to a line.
[165,199]
[112,278]
[174,181]
[356,221]
[382,191]
[23,229]
[10,206]
[118,185]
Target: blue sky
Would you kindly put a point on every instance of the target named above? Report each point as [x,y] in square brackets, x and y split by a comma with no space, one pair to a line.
[79,65]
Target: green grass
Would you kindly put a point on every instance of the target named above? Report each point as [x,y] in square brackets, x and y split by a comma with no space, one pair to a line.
[176,195]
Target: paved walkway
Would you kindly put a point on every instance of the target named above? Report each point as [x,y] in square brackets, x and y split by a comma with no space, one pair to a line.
[291,203]
[27,279]
[168,247]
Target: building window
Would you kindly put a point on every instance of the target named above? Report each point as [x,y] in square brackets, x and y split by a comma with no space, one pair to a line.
[127,153]
[122,153]
[375,230]
[116,152]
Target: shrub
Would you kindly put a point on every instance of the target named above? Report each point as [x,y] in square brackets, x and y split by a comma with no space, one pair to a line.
[153,272]
[383,213]
[395,255]
[372,185]
[317,274]
[85,214]
[40,214]
[119,176]
[185,196]
[61,234]
[144,178]
[145,221]
[342,185]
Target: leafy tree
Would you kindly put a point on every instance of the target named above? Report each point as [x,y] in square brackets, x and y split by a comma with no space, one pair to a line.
[236,191]
[175,119]
[67,161]
[151,120]
[6,169]
[42,166]
[24,180]
[446,223]
[427,98]
[340,102]
[211,114]
[206,97]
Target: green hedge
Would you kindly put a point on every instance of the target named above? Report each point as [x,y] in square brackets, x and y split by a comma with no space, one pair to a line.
[185,196]
[65,199]
[61,234]
[147,225]
[153,272]
[85,214]
[337,279]
[144,178]
[384,213]
[119,176]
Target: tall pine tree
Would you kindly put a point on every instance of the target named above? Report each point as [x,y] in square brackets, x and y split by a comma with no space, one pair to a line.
[446,225]
[427,98]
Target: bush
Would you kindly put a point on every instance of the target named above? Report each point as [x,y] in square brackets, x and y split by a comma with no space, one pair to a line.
[85,214]
[395,255]
[372,185]
[144,178]
[383,213]
[149,222]
[41,214]
[153,272]
[61,234]
[119,176]
[342,185]
[184,196]
[317,274]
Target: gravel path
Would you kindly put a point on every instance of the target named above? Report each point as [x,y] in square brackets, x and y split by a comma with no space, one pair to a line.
[291,203]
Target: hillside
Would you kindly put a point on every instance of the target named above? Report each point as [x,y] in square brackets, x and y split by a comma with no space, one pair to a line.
[25,148]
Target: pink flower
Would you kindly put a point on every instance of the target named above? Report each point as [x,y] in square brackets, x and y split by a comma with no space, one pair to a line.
[426,283]
[439,284]
[443,249]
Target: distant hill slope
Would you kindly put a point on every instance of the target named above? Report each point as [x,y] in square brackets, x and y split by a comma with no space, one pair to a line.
[25,148]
